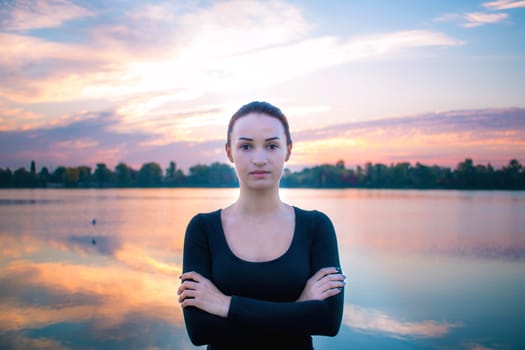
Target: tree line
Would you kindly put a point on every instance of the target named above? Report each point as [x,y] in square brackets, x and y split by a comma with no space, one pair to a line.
[404,175]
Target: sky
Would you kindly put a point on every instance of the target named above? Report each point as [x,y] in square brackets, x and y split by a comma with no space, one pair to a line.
[87,82]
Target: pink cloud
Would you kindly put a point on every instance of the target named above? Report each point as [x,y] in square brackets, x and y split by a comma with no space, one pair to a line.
[20,15]
[444,138]
[372,320]
[476,19]
[504,4]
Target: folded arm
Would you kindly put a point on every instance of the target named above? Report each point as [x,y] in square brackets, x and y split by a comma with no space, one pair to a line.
[215,316]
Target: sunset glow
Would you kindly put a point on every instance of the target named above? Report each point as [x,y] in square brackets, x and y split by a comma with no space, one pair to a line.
[150,81]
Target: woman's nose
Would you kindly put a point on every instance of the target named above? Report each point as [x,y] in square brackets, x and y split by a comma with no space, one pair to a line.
[259,158]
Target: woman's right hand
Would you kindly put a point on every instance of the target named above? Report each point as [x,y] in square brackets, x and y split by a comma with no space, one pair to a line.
[325,283]
[198,291]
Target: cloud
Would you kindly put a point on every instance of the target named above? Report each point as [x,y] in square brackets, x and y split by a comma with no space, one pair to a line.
[448,17]
[476,19]
[23,15]
[86,137]
[473,19]
[15,247]
[445,138]
[81,144]
[48,297]
[222,48]
[105,245]
[504,4]
[138,256]
[376,321]
[167,121]
[138,259]
[16,118]
[21,342]
[508,119]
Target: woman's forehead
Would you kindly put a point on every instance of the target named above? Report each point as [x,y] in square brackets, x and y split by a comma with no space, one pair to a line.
[257,124]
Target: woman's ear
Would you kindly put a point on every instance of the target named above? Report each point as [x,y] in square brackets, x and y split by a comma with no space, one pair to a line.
[288,152]
[228,149]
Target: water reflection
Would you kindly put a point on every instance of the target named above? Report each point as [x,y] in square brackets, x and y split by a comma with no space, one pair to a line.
[373,320]
[454,223]
[426,269]
[107,302]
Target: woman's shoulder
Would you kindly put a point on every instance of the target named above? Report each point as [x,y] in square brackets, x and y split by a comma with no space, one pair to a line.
[207,217]
[315,223]
[310,213]
[312,218]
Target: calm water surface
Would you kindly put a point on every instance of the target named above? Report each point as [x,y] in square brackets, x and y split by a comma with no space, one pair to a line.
[426,269]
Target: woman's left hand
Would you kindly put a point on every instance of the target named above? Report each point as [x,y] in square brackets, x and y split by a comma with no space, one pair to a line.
[198,291]
[325,283]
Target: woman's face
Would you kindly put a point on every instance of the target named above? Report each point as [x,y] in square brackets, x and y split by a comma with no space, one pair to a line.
[258,149]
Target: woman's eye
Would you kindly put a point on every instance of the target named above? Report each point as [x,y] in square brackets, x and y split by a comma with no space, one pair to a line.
[272,146]
[245,147]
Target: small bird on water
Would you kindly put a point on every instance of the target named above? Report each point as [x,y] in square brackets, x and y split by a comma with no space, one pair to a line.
[93,222]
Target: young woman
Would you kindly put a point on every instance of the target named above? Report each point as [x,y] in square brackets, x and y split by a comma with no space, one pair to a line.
[260,274]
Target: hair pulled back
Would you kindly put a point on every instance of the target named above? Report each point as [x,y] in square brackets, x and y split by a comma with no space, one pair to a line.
[260,107]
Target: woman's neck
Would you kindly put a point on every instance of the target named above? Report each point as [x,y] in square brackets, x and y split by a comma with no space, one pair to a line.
[258,202]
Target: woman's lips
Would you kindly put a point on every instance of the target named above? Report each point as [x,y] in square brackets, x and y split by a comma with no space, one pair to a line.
[259,172]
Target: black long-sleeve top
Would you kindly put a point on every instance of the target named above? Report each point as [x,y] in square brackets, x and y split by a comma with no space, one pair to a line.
[263,310]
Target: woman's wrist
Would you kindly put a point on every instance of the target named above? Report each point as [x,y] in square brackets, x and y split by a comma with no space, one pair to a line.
[226,306]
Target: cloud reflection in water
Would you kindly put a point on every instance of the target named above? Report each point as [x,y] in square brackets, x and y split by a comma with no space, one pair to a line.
[421,274]
[113,301]
[373,320]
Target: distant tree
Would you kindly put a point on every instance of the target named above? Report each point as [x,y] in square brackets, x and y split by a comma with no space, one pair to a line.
[360,175]
[84,175]
[401,175]
[71,176]
[33,168]
[198,175]
[123,175]
[102,175]
[59,174]
[6,178]
[150,175]
[22,178]
[43,177]
[332,176]
[174,176]
[221,175]
[33,180]
[465,173]
[377,175]
[512,174]
[446,178]
[351,179]
[483,177]
[423,176]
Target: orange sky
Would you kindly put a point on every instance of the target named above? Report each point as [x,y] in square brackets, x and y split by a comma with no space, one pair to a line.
[358,81]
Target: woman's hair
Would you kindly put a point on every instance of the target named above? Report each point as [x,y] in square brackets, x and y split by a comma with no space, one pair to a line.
[262,108]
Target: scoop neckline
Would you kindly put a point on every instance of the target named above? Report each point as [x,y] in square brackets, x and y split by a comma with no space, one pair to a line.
[286,252]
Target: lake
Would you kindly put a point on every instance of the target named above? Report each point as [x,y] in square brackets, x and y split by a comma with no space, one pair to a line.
[98,268]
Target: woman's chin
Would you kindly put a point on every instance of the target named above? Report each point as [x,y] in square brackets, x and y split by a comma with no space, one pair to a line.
[261,184]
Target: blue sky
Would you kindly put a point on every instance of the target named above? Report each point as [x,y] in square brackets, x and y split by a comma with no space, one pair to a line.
[135,81]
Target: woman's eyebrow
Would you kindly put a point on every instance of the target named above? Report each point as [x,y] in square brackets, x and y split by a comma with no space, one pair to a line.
[250,139]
